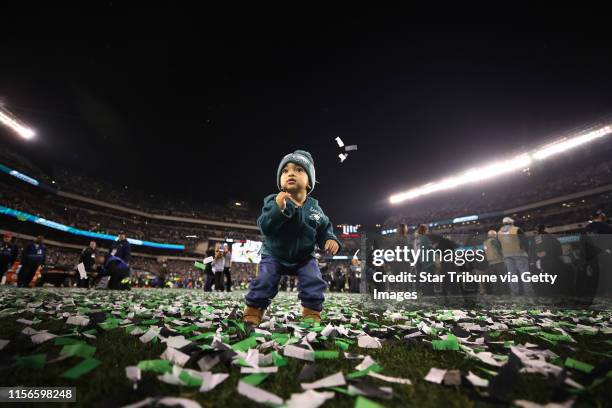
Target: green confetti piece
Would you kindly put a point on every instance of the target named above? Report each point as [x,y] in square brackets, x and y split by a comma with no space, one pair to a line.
[342,344]
[578,365]
[110,324]
[78,350]
[207,335]
[555,337]
[255,379]
[158,366]
[363,402]
[326,354]
[33,361]
[278,360]
[62,341]
[341,390]
[186,329]
[199,265]
[486,370]
[450,343]
[528,329]
[188,380]
[83,367]
[374,368]
[244,345]
[280,338]
[149,322]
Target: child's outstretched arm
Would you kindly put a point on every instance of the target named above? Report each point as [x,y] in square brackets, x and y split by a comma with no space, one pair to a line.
[325,233]
[272,217]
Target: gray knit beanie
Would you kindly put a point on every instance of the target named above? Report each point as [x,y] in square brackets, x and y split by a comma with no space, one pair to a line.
[302,158]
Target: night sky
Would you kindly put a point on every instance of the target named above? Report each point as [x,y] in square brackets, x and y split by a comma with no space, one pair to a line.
[204,104]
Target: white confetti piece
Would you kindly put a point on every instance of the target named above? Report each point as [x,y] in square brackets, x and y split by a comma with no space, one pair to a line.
[175,356]
[350,148]
[133,373]
[25,321]
[78,320]
[210,380]
[308,399]
[177,342]
[258,395]
[476,380]
[41,337]
[298,352]
[367,361]
[396,380]
[333,380]
[257,370]
[339,141]
[342,157]
[149,335]
[366,341]
[435,375]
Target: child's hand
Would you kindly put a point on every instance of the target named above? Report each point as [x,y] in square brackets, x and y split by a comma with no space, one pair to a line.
[281,200]
[331,246]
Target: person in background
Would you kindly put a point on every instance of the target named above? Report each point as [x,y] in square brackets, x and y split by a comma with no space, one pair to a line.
[161,277]
[210,252]
[217,266]
[88,259]
[121,248]
[33,256]
[514,248]
[495,259]
[115,268]
[226,267]
[340,280]
[596,246]
[422,242]
[8,254]
[548,252]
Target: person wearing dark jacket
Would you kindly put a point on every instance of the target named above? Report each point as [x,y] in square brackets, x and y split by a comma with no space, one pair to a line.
[161,276]
[548,252]
[597,253]
[88,259]
[121,248]
[115,268]
[8,254]
[208,282]
[33,256]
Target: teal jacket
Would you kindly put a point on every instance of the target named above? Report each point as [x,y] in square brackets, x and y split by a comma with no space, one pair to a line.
[291,235]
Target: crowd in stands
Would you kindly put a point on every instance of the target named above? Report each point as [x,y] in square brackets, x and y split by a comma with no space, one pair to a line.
[153,203]
[108,221]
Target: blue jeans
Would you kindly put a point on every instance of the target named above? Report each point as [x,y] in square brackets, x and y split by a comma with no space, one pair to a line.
[516,265]
[265,286]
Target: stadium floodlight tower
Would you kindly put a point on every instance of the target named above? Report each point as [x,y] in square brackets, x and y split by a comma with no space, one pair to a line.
[9,120]
[503,167]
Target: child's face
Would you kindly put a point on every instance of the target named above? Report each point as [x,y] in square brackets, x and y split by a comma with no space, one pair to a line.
[294,178]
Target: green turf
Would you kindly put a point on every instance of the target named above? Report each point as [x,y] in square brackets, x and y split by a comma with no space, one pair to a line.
[107,385]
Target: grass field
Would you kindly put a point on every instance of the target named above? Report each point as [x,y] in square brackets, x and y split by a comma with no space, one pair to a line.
[584,336]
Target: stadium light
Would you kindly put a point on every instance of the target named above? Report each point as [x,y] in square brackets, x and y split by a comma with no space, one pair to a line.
[9,120]
[566,144]
[520,162]
[471,176]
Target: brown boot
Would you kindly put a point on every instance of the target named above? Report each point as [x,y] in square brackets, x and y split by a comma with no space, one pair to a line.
[253,315]
[311,314]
